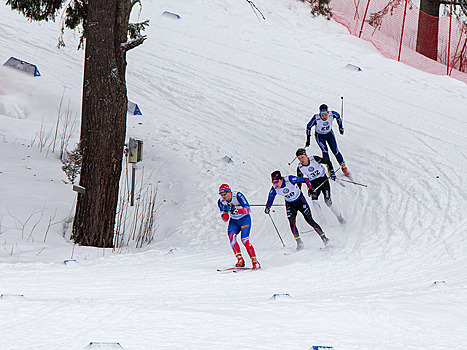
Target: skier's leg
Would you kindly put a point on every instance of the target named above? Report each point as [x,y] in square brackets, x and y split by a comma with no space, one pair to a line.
[305,210]
[232,232]
[331,139]
[292,217]
[315,195]
[326,190]
[316,206]
[245,228]
[321,141]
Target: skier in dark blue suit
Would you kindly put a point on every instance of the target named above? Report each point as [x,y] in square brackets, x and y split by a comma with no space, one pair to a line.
[295,202]
[324,134]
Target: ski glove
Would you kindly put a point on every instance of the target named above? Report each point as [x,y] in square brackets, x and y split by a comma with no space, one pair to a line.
[225,208]
[341,130]
[267,210]
[233,210]
[333,176]
[310,192]
[307,143]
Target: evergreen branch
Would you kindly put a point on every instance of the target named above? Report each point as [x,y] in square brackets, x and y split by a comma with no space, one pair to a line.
[131,44]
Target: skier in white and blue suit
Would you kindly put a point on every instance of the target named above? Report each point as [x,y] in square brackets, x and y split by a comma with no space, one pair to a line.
[324,133]
[295,202]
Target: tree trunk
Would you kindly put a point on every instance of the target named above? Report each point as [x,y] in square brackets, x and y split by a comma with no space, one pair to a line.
[428,21]
[103,122]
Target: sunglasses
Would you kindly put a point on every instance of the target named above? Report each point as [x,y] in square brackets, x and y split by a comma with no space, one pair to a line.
[223,193]
[276,181]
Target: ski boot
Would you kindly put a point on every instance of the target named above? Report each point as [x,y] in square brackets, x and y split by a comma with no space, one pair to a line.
[255,263]
[346,171]
[240,262]
[341,220]
[325,240]
[300,244]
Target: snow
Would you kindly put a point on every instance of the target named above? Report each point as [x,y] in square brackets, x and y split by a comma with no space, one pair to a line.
[221,82]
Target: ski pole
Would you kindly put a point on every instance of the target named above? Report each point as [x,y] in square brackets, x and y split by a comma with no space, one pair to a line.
[293,160]
[276,229]
[353,182]
[321,184]
[327,179]
[342,107]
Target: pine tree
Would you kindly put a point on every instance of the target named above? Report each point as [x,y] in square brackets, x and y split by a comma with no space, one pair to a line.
[72,163]
[104,103]
[320,8]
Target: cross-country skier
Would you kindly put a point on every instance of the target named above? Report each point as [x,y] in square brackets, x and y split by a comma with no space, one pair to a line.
[314,170]
[234,205]
[294,202]
[324,133]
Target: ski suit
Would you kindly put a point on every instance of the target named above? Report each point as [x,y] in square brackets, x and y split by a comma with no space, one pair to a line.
[294,202]
[324,133]
[238,210]
[316,173]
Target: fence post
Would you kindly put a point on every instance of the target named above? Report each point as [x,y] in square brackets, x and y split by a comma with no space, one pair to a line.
[402,31]
[363,21]
[449,41]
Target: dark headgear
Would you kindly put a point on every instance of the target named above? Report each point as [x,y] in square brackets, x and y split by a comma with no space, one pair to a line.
[300,151]
[276,175]
[323,108]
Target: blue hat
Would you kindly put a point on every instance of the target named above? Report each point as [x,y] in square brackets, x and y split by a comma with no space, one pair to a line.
[323,108]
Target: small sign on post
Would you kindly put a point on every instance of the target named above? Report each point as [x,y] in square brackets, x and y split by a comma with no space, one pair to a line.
[135,149]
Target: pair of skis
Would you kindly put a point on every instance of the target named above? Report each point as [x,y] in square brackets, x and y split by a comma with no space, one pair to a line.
[237,269]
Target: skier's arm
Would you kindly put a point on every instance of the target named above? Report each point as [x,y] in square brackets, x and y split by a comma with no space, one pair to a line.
[244,203]
[328,163]
[271,196]
[300,180]
[299,174]
[325,162]
[223,210]
[310,124]
[339,121]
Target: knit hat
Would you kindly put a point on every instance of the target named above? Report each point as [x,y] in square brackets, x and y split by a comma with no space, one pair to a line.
[276,175]
[224,188]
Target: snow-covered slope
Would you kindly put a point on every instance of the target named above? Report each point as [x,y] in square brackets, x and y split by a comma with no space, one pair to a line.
[222,82]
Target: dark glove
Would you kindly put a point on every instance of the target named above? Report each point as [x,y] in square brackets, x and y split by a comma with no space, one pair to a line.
[225,208]
[307,143]
[310,192]
[233,210]
[341,130]
[333,176]
[267,210]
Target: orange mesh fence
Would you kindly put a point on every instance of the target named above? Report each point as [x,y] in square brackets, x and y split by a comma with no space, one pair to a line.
[399,30]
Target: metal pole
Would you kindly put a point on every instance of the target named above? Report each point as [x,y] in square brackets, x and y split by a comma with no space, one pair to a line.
[133,175]
[292,161]
[363,21]
[449,41]
[276,230]
[342,107]
[352,182]
[402,31]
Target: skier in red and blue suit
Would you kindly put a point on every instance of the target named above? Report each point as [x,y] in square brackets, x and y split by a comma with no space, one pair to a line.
[294,202]
[234,206]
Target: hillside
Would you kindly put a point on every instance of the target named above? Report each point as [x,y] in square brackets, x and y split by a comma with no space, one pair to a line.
[221,82]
